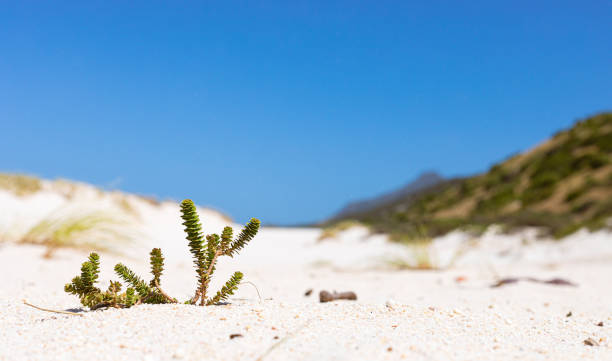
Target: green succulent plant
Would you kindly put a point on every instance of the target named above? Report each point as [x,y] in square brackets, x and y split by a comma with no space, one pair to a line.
[206,251]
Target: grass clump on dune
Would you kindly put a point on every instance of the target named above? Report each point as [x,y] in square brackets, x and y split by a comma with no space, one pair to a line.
[333,230]
[86,231]
[205,250]
[421,257]
[19,184]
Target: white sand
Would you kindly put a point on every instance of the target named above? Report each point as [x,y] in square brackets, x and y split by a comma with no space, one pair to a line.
[451,314]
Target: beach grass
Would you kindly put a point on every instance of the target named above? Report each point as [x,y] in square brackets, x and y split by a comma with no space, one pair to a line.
[333,230]
[20,184]
[91,231]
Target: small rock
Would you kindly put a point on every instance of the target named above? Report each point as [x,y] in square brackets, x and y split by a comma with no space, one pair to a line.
[569,314]
[590,342]
[325,296]
[600,324]
[389,349]
[234,335]
[308,292]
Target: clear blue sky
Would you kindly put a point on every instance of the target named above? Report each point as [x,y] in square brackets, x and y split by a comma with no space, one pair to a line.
[286,110]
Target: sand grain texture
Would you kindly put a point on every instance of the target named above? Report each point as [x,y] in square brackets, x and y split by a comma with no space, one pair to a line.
[414,315]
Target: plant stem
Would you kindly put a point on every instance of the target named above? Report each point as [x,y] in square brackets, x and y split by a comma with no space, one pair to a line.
[196,297]
[207,279]
[106,304]
[173,300]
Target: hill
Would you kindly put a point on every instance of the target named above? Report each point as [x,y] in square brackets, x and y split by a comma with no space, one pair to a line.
[561,185]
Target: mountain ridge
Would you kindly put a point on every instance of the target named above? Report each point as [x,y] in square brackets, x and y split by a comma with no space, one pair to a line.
[424,180]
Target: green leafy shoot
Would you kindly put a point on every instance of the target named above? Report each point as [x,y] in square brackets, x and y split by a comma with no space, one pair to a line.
[205,250]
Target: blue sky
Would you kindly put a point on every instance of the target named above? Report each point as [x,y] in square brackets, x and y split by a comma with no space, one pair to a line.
[287,110]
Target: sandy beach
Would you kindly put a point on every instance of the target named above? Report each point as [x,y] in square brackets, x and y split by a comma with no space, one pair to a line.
[400,314]
[448,312]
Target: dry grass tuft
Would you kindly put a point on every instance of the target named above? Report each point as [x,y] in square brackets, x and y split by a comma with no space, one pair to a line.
[422,257]
[20,184]
[333,230]
[95,230]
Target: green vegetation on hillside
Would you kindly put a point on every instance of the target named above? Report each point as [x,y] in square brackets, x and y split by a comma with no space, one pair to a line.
[560,186]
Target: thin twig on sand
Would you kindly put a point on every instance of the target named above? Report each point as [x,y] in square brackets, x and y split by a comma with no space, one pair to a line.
[553,281]
[54,311]
[256,289]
